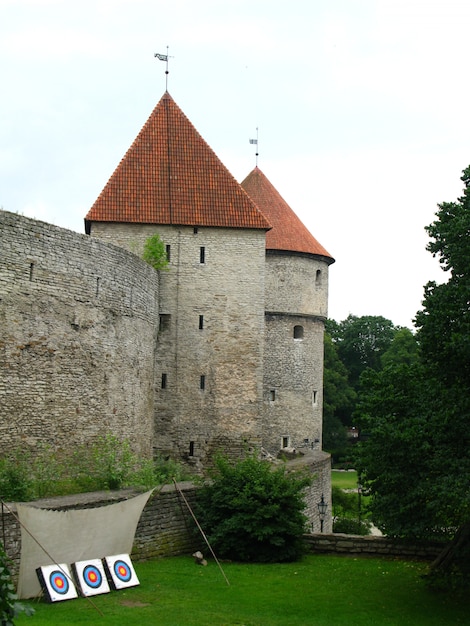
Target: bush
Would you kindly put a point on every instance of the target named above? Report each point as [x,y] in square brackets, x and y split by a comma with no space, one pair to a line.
[15,480]
[252,512]
[9,605]
[155,253]
[109,463]
[346,513]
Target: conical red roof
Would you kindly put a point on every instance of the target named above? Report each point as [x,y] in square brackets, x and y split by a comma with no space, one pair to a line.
[288,233]
[170,175]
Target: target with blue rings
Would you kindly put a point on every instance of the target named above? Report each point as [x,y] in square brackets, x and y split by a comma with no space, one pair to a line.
[120,571]
[91,577]
[57,582]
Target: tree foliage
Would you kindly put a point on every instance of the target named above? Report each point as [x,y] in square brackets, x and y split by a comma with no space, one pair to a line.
[416,461]
[338,397]
[252,512]
[361,341]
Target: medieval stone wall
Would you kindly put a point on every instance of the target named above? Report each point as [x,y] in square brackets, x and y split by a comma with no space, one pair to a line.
[78,320]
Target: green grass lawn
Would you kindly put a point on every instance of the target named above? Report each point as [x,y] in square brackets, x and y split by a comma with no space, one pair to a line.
[344,480]
[319,590]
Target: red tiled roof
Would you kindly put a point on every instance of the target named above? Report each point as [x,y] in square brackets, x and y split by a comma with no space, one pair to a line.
[170,175]
[288,232]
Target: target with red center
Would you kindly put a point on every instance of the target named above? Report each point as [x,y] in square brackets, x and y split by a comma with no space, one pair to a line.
[91,577]
[57,582]
[121,572]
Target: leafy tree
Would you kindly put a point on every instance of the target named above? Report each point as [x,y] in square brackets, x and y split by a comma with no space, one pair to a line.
[338,399]
[253,512]
[155,253]
[403,349]
[416,461]
[361,341]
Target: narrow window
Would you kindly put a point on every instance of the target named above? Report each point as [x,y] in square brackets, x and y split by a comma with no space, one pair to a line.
[168,252]
[314,397]
[272,395]
[191,448]
[97,287]
[195,230]
[201,322]
[164,322]
[285,442]
[31,271]
[202,254]
[164,380]
[318,278]
[202,382]
[298,332]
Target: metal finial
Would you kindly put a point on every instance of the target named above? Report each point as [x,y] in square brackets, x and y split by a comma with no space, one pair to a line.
[164,57]
[255,142]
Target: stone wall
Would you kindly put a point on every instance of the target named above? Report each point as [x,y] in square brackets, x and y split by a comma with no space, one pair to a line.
[166,527]
[78,321]
[371,546]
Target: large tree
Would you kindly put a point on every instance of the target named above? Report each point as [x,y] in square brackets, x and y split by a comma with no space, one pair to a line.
[361,341]
[417,459]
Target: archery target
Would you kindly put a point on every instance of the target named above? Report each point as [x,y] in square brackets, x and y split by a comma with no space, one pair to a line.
[121,571]
[91,577]
[57,582]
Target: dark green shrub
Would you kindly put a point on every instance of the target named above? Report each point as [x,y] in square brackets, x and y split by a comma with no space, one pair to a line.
[252,512]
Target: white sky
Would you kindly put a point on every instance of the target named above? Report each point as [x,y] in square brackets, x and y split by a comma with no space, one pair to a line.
[362,108]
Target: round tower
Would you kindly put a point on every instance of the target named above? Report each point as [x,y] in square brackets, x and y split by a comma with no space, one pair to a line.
[296,307]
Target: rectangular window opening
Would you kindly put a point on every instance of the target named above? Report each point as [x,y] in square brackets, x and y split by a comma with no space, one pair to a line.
[272,395]
[164,381]
[168,252]
[202,382]
[286,442]
[191,448]
[164,323]
[202,254]
[201,322]
[195,230]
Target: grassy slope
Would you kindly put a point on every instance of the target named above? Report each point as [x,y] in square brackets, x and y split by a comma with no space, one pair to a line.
[319,590]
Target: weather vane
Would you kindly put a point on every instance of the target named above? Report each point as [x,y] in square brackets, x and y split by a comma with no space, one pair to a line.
[255,142]
[164,57]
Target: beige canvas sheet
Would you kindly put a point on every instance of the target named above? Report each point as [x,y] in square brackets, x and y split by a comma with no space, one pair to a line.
[67,536]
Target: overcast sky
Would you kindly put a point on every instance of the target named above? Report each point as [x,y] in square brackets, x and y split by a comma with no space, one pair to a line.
[362,108]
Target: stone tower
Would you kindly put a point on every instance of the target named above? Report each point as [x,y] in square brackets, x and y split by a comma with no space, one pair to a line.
[209,352]
[296,300]
[239,352]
